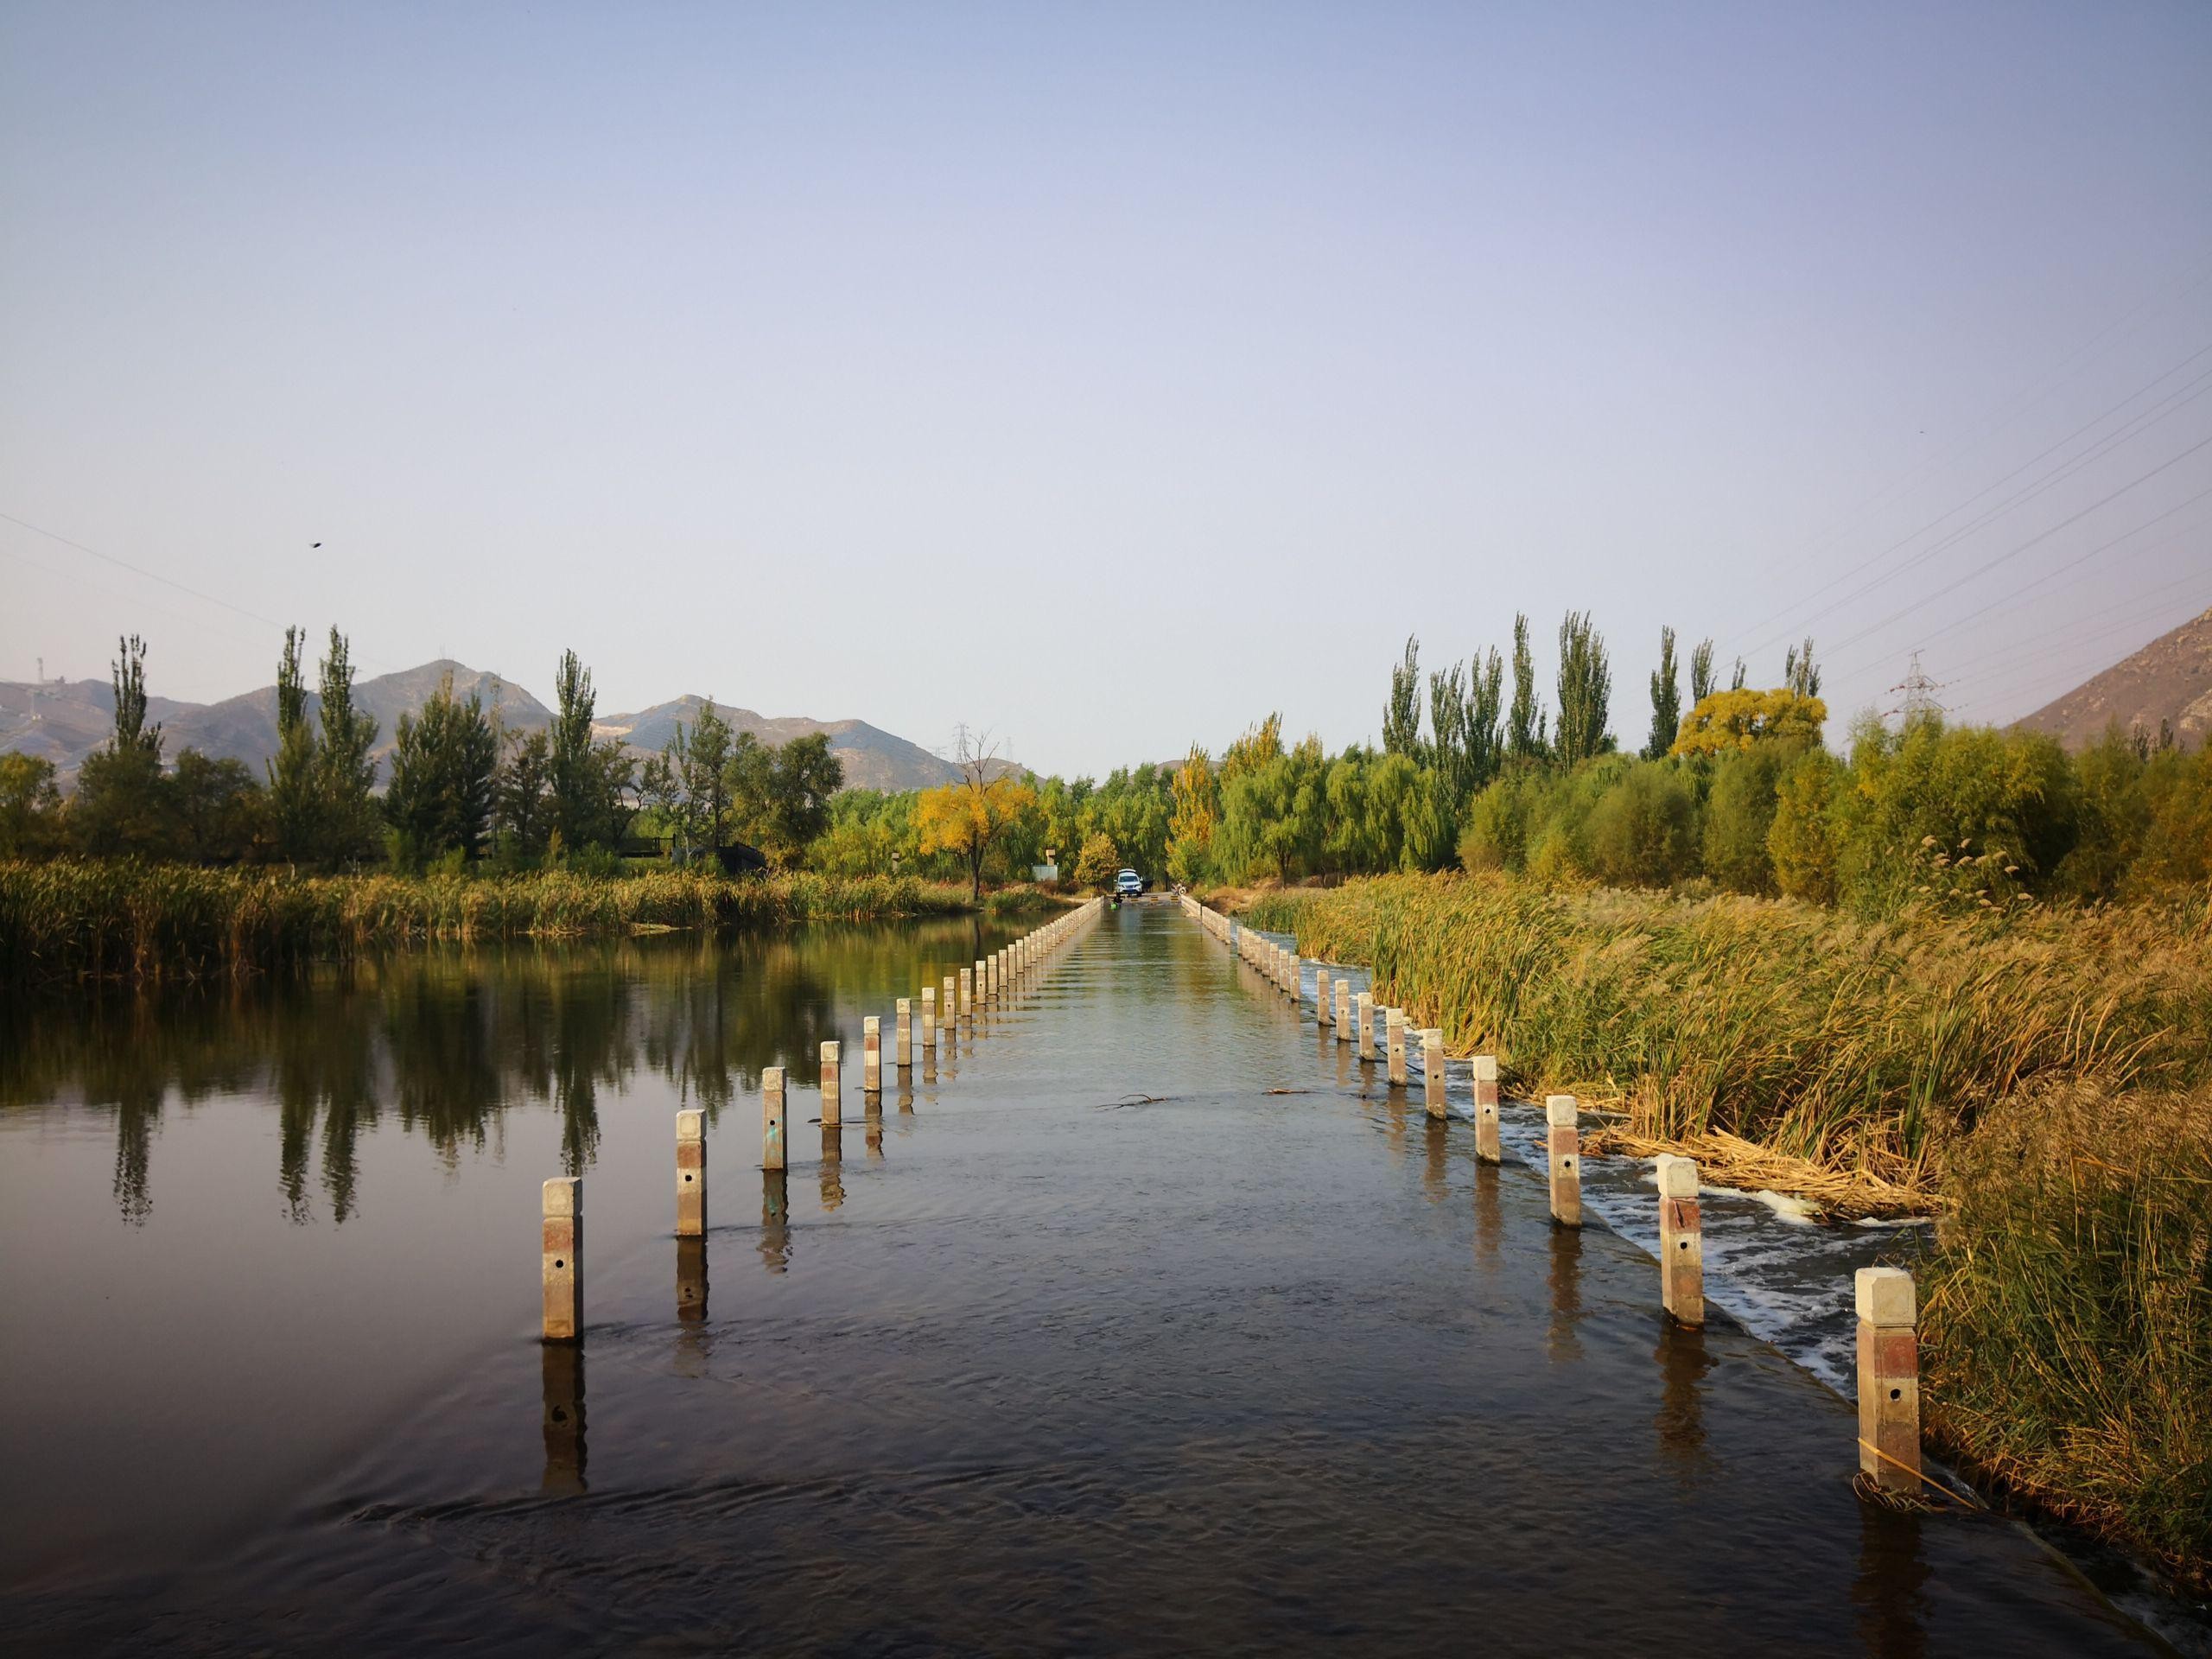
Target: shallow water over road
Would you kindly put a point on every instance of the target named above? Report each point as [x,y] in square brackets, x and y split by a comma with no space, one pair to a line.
[1145,1324]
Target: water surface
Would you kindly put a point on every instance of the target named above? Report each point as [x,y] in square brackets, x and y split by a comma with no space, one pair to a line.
[1147,1322]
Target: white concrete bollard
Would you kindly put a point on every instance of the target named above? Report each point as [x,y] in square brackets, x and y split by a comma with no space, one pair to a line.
[562,1239]
[903,1019]
[1487,1146]
[1363,1018]
[929,1019]
[1394,1040]
[948,1007]
[872,1054]
[832,1066]
[690,1174]
[1563,1150]
[1432,1071]
[1682,1241]
[1889,1377]
[774,1131]
[967,996]
[1343,1018]
[1322,1011]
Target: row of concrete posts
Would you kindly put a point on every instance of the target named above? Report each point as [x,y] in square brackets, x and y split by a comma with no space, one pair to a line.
[1889,1366]
[945,1009]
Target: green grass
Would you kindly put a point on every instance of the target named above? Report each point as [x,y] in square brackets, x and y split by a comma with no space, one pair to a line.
[69,921]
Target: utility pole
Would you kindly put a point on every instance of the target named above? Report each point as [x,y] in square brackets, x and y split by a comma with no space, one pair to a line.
[1919,692]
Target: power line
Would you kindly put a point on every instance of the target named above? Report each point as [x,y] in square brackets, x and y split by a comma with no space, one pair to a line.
[2013,553]
[2174,401]
[140,570]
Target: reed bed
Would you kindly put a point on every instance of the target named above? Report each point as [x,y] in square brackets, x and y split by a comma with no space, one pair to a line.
[1858,1048]
[2067,1313]
[69,921]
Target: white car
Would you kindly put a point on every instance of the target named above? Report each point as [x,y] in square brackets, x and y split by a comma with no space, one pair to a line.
[1129,881]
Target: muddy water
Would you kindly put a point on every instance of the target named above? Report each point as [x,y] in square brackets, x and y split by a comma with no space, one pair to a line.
[1095,1340]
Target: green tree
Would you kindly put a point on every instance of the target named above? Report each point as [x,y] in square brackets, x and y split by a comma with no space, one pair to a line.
[1739,719]
[1666,701]
[1798,672]
[30,806]
[1740,815]
[1702,681]
[1402,714]
[218,812]
[699,756]
[347,764]
[443,769]
[1196,815]
[781,795]
[1465,715]
[1585,690]
[119,809]
[295,794]
[1525,737]
[523,807]
[586,780]
[1643,831]
[1799,842]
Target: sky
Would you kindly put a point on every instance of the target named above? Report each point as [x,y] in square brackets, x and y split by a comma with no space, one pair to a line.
[1104,378]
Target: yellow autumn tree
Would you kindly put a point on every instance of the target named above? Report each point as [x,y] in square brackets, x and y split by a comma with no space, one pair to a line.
[1189,830]
[968,816]
[1737,720]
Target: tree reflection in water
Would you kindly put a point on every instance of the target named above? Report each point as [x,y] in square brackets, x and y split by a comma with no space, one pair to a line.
[447,1041]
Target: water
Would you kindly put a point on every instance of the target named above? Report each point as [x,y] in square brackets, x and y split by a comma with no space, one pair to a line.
[1148,1324]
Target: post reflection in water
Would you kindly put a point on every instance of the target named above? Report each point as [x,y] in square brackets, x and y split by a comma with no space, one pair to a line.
[775,1221]
[1490,1221]
[563,1366]
[833,1169]
[1394,1123]
[1891,1589]
[1562,1342]
[1680,1422]
[690,1279]
[1433,1170]
[874,1127]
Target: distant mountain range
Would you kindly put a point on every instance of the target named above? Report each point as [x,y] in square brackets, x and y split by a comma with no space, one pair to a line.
[2170,680]
[66,720]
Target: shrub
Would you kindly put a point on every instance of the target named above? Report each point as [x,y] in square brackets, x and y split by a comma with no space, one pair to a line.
[1643,831]
[1799,842]
[1739,814]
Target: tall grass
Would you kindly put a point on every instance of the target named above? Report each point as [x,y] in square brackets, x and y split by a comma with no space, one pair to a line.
[67,920]
[1859,1046]
[2068,1313]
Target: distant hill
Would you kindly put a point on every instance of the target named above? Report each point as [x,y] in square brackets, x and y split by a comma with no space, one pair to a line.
[64,719]
[2169,680]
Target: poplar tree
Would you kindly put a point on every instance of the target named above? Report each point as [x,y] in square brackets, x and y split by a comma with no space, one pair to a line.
[1701,681]
[1585,689]
[1666,701]
[575,774]
[346,769]
[1524,726]
[443,766]
[295,802]
[1798,673]
[1401,714]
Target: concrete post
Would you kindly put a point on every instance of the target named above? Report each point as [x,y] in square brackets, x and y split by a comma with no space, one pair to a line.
[1889,1377]
[1322,1012]
[929,1020]
[1487,1149]
[1432,1071]
[983,985]
[1342,1020]
[774,1137]
[872,1054]
[947,1009]
[1563,1145]
[561,1264]
[690,1174]
[1393,1038]
[967,996]
[903,1017]
[1682,1241]
[1363,1014]
[832,1066]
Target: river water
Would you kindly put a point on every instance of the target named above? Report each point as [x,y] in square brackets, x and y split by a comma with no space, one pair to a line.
[1147,1322]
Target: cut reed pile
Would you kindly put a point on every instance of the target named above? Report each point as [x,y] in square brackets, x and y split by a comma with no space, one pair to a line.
[2067,1313]
[67,919]
[1856,1047]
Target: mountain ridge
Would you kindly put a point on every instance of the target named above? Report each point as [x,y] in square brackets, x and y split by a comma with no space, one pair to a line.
[2168,683]
[64,721]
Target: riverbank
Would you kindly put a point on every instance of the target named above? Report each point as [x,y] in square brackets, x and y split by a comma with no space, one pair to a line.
[67,920]
[2041,1082]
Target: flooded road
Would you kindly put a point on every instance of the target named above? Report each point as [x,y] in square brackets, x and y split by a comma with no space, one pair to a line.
[1147,1323]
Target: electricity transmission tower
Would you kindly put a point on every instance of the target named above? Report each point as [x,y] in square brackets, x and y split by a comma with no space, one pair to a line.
[1919,692]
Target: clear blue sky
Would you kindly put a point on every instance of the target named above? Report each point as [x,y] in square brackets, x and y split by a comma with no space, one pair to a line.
[1104,377]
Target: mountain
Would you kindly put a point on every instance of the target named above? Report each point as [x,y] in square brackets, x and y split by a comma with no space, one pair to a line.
[64,719]
[2170,680]
[873,757]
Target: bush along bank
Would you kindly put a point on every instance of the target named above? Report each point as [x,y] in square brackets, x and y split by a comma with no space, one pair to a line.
[2040,1079]
[68,920]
